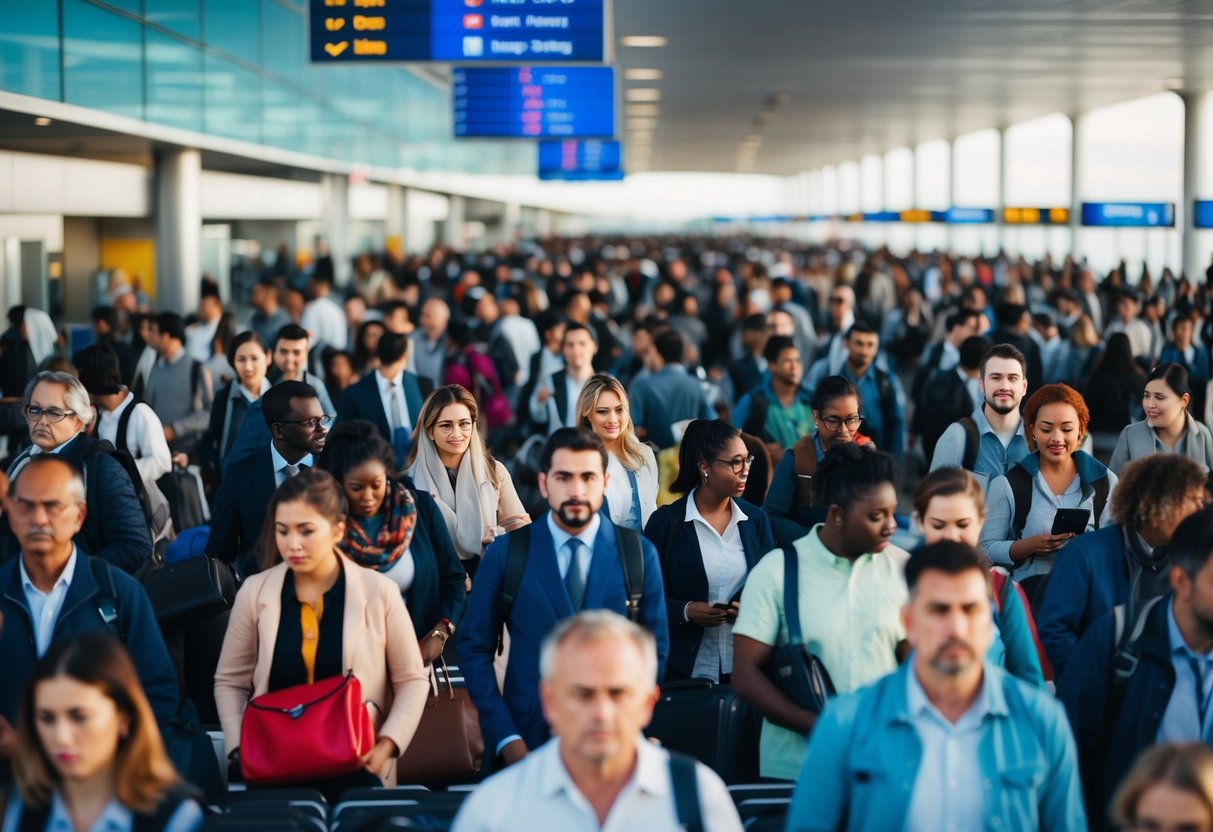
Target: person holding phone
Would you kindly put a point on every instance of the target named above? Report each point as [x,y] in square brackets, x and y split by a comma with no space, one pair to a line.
[449,459]
[707,542]
[1026,526]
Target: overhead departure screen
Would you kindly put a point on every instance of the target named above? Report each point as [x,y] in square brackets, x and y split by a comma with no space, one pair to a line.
[534,102]
[488,31]
[580,160]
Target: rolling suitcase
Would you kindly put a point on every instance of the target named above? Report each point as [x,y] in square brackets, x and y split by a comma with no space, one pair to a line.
[711,723]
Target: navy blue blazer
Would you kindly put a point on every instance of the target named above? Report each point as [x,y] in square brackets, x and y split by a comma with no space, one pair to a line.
[239,510]
[683,573]
[362,401]
[542,602]
[136,625]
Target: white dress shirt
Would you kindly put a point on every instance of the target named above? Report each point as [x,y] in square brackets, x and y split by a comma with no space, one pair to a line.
[45,607]
[144,438]
[725,565]
[324,319]
[539,794]
[619,488]
[280,463]
[389,387]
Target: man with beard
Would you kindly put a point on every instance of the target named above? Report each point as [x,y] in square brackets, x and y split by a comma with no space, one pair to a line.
[947,741]
[571,562]
[1143,674]
[991,440]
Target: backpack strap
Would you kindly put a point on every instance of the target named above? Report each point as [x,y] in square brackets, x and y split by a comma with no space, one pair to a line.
[518,546]
[631,557]
[1102,486]
[791,606]
[804,462]
[1021,494]
[685,785]
[972,443]
[1127,657]
[123,421]
[106,598]
[560,395]
[195,375]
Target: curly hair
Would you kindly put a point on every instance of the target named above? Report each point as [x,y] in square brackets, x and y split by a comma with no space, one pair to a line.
[1153,489]
[1057,394]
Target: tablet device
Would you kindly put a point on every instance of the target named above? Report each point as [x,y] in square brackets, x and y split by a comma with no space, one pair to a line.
[1070,520]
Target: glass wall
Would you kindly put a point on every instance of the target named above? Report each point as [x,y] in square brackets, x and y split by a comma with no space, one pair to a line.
[236,69]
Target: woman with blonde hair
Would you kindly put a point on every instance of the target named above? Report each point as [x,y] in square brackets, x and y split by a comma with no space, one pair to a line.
[449,460]
[631,492]
[89,754]
[1170,787]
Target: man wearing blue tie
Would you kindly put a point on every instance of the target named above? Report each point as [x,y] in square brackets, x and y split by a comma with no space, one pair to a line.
[574,560]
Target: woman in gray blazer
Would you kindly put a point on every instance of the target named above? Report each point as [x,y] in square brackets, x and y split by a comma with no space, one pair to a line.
[1168,426]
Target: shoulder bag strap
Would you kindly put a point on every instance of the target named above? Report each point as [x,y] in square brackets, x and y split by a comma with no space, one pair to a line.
[685,785]
[972,443]
[631,558]
[518,546]
[804,464]
[791,605]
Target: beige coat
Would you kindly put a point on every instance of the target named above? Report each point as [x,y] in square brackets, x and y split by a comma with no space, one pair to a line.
[378,644]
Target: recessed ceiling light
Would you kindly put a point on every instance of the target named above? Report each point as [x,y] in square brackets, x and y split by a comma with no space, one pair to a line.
[642,110]
[643,41]
[642,94]
[42,121]
[642,74]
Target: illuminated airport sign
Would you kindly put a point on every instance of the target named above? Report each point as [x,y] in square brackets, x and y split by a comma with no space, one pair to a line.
[534,102]
[488,31]
[1202,213]
[1036,216]
[1128,214]
[964,216]
[580,160]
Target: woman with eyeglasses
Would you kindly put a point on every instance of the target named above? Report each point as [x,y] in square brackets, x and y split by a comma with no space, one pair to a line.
[707,542]
[631,492]
[790,502]
[449,459]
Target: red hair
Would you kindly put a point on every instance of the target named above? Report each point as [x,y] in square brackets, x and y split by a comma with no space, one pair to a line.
[1057,394]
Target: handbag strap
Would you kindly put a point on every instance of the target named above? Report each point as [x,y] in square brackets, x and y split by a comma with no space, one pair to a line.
[791,606]
[296,711]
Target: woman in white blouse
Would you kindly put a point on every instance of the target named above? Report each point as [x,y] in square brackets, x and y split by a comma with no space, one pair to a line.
[631,493]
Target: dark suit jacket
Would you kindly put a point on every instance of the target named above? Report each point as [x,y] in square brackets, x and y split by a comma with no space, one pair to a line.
[239,510]
[684,575]
[362,401]
[437,591]
[541,603]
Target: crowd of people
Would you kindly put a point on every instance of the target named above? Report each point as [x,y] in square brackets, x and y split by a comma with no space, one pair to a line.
[971,496]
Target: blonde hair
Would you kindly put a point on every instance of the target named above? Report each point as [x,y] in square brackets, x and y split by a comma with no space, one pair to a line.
[630,453]
[142,771]
[1186,767]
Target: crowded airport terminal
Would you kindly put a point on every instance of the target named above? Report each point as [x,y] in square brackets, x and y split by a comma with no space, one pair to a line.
[606,416]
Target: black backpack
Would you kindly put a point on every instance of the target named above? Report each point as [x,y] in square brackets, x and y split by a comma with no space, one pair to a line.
[151,515]
[945,399]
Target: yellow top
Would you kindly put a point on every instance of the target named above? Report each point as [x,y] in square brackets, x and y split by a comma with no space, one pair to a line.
[309,617]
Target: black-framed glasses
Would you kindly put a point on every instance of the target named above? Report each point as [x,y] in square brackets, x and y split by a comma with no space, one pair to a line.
[738,465]
[312,424]
[835,423]
[53,414]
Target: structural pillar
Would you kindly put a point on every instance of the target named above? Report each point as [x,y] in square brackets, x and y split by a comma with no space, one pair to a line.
[1076,184]
[335,223]
[1198,179]
[396,224]
[178,230]
[511,219]
[954,195]
[452,232]
[1001,202]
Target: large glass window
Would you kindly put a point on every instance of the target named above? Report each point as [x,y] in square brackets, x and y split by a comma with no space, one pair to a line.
[181,16]
[233,100]
[230,26]
[29,48]
[102,59]
[174,81]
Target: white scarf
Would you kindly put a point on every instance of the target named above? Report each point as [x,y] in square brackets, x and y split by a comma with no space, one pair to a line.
[466,507]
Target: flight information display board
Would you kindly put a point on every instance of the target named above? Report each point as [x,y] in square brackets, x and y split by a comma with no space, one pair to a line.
[1036,216]
[1128,214]
[1202,213]
[534,102]
[575,160]
[489,31]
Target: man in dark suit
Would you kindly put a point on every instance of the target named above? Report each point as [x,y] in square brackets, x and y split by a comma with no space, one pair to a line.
[105,328]
[298,425]
[58,412]
[746,373]
[390,397]
[572,564]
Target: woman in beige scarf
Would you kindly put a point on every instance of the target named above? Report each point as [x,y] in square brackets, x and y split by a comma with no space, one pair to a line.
[450,460]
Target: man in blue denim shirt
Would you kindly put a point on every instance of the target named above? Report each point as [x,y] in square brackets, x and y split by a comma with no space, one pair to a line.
[947,741]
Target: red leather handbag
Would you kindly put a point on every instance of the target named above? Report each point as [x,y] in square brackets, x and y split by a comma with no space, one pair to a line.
[305,732]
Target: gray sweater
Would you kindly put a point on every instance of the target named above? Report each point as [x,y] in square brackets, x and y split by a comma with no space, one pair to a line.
[1138,439]
[168,392]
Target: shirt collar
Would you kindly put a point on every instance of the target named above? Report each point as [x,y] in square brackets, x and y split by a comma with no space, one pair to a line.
[113,818]
[34,449]
[693,511]
[265,385]
[587,535]
[127,401]
[280,462]
[651,774]
[983,423]
[920,706]
[385,384]
[65,577]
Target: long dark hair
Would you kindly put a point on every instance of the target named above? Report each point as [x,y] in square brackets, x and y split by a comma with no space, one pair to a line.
[702,441]
[849,472]
[352,443]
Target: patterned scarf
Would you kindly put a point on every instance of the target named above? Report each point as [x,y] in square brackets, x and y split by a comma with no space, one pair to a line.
[393,538]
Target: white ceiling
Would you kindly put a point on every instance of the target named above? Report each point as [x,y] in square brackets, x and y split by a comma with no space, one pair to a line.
[866,76]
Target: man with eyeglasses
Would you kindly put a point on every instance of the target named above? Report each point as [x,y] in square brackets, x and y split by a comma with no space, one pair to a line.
[53,590]
[298,426]
[58,412]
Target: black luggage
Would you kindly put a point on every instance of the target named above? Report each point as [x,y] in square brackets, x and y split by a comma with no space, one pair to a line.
[180,487]
[190,591]
[711,723]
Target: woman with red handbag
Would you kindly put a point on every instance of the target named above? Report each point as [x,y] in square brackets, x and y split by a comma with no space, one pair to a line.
[327,651]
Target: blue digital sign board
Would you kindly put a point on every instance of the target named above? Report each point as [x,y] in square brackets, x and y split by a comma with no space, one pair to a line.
[580,160]
[482,31]
[534,102]
[964,216]
[1128,214]
[1202,213]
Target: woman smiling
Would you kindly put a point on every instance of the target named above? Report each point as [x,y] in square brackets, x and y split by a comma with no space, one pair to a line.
[1168,427]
